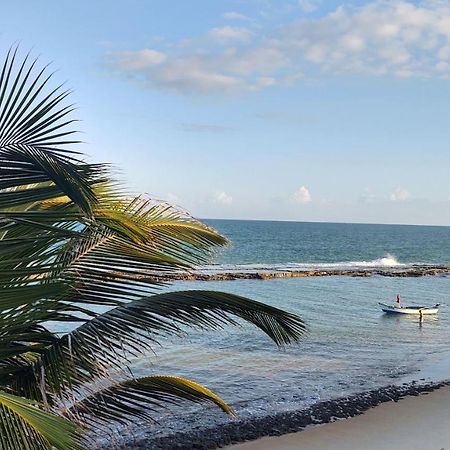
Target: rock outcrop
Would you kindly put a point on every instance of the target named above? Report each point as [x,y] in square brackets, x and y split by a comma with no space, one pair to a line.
[413,271]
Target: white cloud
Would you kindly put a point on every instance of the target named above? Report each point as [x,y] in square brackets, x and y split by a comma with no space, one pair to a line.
[228,33]
[191,75]
[142,59]
[442,66]
[223,198]
[233,15]
[308,5]
[302,195]
[381,38]
[399,195]
[263,82]
[393,38]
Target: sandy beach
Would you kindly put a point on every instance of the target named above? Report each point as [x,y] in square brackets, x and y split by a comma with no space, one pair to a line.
[413,423]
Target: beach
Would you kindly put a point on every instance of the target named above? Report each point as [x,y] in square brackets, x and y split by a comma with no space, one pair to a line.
[413,423]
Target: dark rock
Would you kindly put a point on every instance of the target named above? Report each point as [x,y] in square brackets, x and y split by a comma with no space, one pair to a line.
[281,423]
[413,271]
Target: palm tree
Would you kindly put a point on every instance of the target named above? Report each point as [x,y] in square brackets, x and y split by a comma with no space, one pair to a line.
[80,278]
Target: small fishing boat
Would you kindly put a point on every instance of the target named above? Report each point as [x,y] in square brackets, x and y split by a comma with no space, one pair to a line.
[417,310]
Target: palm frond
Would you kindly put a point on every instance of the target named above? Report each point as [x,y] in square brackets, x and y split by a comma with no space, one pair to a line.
[119,257]
[151,317]
[141,397]
[22,165]
[24,426]
[160,223]
[110,339]
[33,132]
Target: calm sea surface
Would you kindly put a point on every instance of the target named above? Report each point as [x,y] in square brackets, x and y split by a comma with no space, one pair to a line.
[351,345]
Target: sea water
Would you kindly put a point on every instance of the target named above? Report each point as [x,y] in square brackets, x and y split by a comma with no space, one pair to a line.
[338,245]
[351,345]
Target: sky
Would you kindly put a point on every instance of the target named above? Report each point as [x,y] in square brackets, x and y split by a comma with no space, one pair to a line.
[302,110]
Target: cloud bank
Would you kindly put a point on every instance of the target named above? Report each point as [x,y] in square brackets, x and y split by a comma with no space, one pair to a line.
[382,38]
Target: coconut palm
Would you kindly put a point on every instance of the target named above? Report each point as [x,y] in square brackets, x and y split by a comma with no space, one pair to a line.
[81,265]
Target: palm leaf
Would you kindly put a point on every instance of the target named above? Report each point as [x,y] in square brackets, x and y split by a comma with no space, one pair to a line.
[163,314]
[33,127]
[141,397]
[25,426]
[112,338]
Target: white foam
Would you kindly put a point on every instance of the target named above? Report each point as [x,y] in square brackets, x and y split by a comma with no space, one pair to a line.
[387,261]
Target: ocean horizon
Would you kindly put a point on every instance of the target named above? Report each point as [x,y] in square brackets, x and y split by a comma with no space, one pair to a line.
[208,219]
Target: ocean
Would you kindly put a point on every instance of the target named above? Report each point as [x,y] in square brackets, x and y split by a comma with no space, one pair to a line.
[308,244]
[351,346]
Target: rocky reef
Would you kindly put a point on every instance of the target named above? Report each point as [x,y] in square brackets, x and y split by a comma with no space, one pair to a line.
[411,271]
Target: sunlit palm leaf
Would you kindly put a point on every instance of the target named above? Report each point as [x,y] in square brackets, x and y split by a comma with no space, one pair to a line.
[141,397]
[24,426]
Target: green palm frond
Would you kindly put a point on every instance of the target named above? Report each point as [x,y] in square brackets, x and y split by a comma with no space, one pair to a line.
[147,319]
[157,227]
[34,132]
[170,228]
[24,426]
[22,165]
[76,251]
[141,397]
[110,339]
[117,258]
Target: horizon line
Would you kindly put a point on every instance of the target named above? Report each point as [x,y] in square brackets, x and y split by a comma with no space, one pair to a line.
[329,222]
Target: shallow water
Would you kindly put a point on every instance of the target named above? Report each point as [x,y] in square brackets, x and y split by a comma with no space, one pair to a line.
[351,346]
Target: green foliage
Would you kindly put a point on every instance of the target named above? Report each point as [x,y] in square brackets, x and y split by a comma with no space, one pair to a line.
[23,425]
[76,250]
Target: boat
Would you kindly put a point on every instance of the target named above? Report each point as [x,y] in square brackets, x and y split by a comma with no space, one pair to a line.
[417,310]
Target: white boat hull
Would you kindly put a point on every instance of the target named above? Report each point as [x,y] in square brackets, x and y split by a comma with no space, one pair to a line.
[416,310]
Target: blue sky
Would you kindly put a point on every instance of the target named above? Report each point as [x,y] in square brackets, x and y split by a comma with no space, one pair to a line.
[259,109]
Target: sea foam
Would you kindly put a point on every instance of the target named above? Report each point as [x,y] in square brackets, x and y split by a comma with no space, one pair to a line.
[386,261]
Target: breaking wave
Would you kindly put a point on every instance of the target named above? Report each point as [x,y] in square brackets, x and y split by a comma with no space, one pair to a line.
[387,261]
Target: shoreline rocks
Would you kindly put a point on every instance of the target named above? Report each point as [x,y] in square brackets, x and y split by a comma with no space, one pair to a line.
[281,423]
[413,271]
